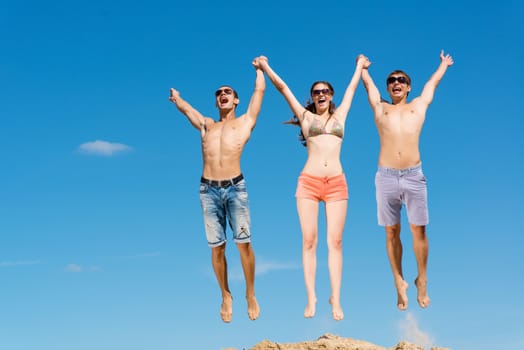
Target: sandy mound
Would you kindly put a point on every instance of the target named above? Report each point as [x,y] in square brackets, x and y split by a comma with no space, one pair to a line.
[334,342]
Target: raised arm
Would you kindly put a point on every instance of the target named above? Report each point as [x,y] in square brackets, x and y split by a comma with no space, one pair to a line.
[195,118]
[429,88]
[375,101]
[256,99]
[345,104]
[282,87]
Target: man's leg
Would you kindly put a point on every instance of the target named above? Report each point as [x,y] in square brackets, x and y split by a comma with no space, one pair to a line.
[237,210]
[394,249]
[247,257]
[218,257]
[420,247]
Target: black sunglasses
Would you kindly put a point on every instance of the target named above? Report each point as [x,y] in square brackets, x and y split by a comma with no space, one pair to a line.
[323,91]
[401,80]
[226,91]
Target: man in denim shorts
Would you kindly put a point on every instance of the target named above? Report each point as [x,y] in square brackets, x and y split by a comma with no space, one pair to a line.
[222,187]
[399,179]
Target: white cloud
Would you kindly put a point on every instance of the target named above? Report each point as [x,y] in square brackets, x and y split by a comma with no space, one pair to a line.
[411,332]
[18,263]
[75,268]
[103,148]
[265,267]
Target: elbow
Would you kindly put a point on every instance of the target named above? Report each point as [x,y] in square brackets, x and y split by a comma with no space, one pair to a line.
[260,88]
[281,87]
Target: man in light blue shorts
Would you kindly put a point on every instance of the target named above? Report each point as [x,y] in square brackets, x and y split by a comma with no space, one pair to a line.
[399,179]
[397,187]
[222,187]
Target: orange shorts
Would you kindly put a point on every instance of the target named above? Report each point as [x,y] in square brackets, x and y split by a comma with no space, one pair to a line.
[326,188]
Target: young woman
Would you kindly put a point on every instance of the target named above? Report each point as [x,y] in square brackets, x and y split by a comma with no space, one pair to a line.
[322,178]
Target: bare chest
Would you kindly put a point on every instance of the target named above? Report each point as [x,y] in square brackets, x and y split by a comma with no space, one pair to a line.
[224,134]
[400,119]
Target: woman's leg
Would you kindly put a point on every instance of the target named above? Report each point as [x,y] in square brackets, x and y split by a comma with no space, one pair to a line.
[308,216]
[336,219]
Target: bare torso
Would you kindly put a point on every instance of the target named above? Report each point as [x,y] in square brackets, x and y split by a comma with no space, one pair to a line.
[323,153]
[399,128]
[222,146]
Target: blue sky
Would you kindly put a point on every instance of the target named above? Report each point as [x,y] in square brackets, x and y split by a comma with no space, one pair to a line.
[101,236]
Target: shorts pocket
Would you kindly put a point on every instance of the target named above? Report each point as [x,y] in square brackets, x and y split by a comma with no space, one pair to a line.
[240,186]
[422,178]
[204,188]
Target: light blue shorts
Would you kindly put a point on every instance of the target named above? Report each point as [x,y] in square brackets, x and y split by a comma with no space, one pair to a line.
[225,201]
[395,187]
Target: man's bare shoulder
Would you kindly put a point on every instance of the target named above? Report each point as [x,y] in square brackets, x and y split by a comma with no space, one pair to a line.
[418,105]
[382,108]
[244,119]
[209,121]
[241,117]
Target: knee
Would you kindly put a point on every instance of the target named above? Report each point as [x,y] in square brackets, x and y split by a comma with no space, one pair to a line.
[420,238]
[245,248]
[309,242]
[219,252]
[335,243]
[393,232]
[419,232]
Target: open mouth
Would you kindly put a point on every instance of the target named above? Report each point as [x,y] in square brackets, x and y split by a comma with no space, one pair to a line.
[396,89]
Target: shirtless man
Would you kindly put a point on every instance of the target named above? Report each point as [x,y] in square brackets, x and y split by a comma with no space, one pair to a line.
[223,193]
[399,179]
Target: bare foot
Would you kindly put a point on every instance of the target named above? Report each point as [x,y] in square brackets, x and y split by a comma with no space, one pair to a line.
[253,310]
[311,308]
[422,293]
[402,295]
[336,310]
[226,310]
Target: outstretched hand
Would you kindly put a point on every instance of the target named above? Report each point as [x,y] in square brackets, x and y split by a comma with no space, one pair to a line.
[447,59]
[262,60]
[363,60]
[174,94]
[256,63]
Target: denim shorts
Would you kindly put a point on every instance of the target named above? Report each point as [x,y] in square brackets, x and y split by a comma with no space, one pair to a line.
[395,187]
[225,203]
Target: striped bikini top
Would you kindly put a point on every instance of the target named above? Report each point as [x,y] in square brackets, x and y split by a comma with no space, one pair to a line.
[316,128]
